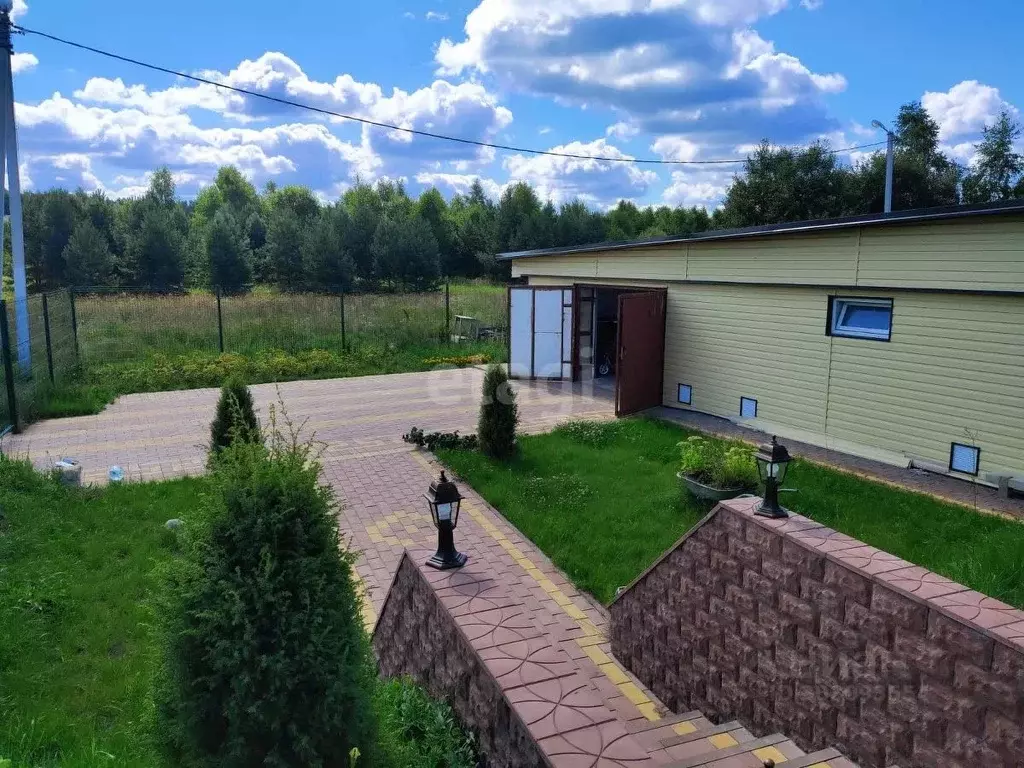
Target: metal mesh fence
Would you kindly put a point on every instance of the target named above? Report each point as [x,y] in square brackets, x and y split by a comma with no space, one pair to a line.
[32,368]
[79,332]
[121,326]
[117,326]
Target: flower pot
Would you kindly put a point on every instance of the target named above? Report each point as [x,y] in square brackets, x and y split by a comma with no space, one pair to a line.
[707,492]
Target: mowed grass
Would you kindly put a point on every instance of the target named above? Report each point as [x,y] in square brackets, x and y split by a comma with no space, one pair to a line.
[76,572]
[602,501]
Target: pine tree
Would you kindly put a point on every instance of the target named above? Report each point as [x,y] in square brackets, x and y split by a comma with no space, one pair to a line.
[87,256]
[235,419]
[265,659]
[499,415]
[227,250]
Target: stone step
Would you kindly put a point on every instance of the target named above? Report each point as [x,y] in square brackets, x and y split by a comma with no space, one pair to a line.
[707,739]
[669,719]
[651,734]
[824,758]
[754,753]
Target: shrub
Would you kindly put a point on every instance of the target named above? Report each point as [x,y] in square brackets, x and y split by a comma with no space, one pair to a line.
[440,440]
[235,418]
[418,732]
[265,660]
[718,463]
[499,415]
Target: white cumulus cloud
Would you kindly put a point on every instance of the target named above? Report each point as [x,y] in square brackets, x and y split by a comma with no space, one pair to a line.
[23,62]
[598,182]
[965,108]
[670,66]
[459,183]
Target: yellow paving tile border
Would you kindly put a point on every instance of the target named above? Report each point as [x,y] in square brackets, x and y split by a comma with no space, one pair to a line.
[592,636]
[366,605]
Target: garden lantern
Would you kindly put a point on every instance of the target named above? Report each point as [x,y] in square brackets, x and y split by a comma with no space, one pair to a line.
[444,499]
[772,463]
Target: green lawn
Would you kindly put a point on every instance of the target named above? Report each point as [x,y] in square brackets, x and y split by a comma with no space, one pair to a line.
[76,569]
[602,501]
[77,573]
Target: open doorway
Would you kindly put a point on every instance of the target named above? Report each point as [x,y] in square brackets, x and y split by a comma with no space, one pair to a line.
[611,339]
[598,333]
[620,336]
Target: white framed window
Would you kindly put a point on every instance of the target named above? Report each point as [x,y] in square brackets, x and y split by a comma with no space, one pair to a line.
[685,395]
[964,458]
[859,318]
[748,408]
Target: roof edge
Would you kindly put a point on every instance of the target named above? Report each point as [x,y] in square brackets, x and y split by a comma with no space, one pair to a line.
[916,215]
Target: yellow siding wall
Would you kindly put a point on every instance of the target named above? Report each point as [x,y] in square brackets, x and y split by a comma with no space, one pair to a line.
[805,259]
[981,254]
[984,254]
[953,371]
[765,343]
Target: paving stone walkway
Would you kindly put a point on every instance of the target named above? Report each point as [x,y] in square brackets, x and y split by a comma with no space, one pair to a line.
[379,479]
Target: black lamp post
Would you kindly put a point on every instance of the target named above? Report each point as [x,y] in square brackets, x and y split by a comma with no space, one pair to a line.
[444,499]
[772,463]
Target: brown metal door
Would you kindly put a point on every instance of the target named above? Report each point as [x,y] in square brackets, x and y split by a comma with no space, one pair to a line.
[641,352]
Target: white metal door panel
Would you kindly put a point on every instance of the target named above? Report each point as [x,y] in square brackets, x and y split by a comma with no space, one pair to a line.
[520,362]
[567,334]
[547,334]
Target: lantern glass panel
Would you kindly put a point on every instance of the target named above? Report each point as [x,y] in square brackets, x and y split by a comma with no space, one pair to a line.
[444,513]
[762,468]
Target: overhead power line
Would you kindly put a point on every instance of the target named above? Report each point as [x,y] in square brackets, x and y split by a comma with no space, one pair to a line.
[390,126]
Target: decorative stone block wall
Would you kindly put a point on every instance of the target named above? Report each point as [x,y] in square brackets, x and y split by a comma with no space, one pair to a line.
[790,626]
[416,635]
[471,637]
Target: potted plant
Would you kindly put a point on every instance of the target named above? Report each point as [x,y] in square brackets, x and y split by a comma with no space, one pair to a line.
[715,469]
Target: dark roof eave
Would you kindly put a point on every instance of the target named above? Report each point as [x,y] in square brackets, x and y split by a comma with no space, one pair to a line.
[821,225]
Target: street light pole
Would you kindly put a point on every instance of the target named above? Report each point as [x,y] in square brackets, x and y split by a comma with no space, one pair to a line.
[890,147]
[9,153]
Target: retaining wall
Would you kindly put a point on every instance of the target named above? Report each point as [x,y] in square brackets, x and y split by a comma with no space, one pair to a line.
[789,625]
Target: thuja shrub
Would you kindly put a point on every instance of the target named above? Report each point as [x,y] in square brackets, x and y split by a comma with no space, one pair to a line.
[264,657]
[499,415]
[235,418]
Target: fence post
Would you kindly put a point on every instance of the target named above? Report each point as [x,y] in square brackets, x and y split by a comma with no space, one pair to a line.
[5,352]
[447,312]
[74,324]
[46,331]
[344,347]
[220,323]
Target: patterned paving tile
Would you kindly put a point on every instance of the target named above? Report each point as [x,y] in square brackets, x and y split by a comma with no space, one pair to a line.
[558,705]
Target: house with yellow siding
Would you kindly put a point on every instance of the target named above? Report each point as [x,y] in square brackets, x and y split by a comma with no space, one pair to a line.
[899,337]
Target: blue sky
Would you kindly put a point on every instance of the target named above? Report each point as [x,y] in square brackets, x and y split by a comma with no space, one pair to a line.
[672,79]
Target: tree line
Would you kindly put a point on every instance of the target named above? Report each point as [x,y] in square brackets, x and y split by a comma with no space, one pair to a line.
[378,237]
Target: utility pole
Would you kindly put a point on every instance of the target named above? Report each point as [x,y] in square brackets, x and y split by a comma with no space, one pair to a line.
[9,157]
[890,148]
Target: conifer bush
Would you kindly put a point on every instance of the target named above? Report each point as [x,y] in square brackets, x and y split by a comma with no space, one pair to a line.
[264,657]
[235,418]
[499,415]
